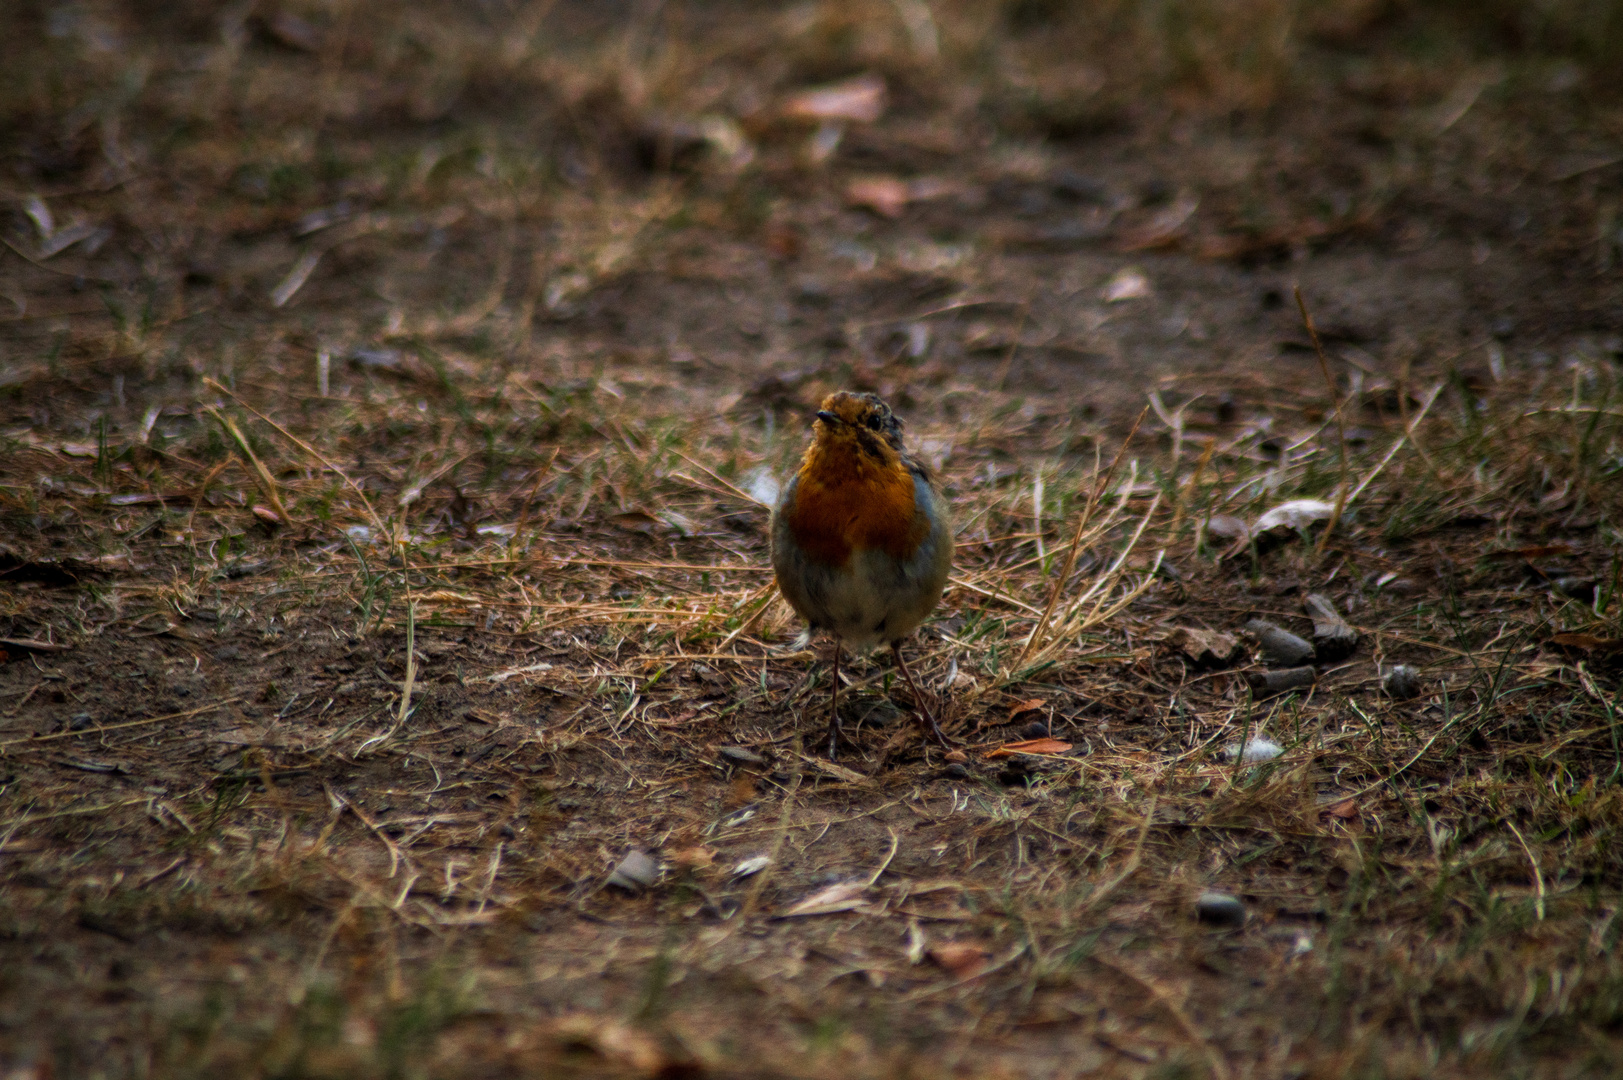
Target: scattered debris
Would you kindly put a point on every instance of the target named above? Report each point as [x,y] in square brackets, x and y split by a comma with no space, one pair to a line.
[1345,810]
[884,195]
[1333,637]
[1280,647]
[1030,706]
[753,865]
[841,896]
[738,755]
[961,958]
[1253,751]
[1126,284]
[1207,648]
[635,873]
[1588,643]
[1029,746]
[692,858]
[1220,909]
[616,1042]
[34,645]
[860,100]
[1037,729]
[1228,527]
[1401,683]
[1290,518]
[1279,680]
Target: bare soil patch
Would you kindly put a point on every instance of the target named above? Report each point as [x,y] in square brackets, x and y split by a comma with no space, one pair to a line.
[389,396]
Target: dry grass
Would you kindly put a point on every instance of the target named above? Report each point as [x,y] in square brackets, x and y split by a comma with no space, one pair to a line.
[383,554]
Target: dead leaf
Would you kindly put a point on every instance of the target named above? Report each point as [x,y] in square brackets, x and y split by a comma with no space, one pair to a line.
[1126,284]
[692,858]
[1030,746]
[1536,551]
[1294,515]
[884,195]
[1030,705]
[1162,230]
[637,521]
[1205,647]
[830,769]
[861,99]
[612,1040]
[961,958]
[1227,527]
[842,896]
[267,515]
[34,645]
[294,32]
[1588,643]
[955,757]
[1345,810]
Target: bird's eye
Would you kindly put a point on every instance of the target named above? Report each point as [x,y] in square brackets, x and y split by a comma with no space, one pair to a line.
[873,421]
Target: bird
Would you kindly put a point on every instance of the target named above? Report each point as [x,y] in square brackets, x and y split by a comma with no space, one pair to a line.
[861,538]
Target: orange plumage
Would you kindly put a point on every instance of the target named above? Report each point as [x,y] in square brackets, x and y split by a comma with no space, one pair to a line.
[860,539]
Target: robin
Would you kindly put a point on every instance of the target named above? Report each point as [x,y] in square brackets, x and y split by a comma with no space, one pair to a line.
[861,544]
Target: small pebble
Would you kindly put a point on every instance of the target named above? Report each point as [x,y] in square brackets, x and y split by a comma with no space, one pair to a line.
[1280,647]
[956,770]
[1254,751]
[740,756]
[753,865]
[1220,909]
[956,757]
[81,721]
[1037,729]
[1401,683]
[636,872]
[1579,588]
[1013,774]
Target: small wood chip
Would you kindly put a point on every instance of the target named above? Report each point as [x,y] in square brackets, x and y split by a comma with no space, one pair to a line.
[1030,746]
[1280,647]
[1208,648]
[1280,680]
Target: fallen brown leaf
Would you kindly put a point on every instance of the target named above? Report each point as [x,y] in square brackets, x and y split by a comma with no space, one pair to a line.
[1535,551]
[1588,643]
[1030,705]
[861,99]
[884,195]
[1030,746]
[1207,647]
[1345,810]
[692,858]
[841,896]
[961,958]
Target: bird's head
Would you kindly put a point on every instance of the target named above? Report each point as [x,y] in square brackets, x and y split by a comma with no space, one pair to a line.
[862,420]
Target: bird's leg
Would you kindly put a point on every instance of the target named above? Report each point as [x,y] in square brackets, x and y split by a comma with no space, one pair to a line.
[834,705]
[929,720]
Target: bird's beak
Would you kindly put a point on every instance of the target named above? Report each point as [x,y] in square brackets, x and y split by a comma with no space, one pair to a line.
[827,417]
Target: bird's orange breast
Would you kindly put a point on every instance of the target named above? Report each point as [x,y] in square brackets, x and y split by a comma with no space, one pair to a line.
[846,501]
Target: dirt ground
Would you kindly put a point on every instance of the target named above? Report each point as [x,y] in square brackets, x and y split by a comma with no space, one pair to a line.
[390,398]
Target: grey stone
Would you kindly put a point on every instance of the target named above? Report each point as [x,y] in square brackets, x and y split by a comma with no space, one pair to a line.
[1280,648]
[1220,909]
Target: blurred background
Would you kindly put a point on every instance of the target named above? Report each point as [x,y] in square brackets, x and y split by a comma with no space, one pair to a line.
[354,171]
